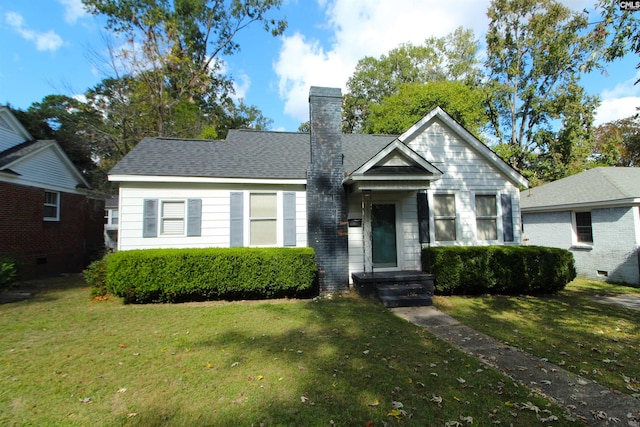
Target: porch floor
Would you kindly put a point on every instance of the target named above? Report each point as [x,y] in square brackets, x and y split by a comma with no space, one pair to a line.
[396,288]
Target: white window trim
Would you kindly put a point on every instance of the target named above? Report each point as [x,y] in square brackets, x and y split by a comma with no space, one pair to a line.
[279,218]
[161,202]
[574,232]
[57,206]
[498,217]
[432,217]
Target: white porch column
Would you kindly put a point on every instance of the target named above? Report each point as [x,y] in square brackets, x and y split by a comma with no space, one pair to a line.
[367,233]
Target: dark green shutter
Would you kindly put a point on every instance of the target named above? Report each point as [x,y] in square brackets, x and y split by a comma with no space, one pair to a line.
[194,217]
[150,218]
[289,219]
[507,217]
[236,226]
[423,217]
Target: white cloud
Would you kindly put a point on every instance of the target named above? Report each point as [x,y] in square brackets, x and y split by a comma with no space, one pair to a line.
[44,41]
[73,10]
[368,28]
[620,102]
[359,29]
[241,86]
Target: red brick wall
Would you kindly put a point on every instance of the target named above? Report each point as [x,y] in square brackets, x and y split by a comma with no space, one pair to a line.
[43,248]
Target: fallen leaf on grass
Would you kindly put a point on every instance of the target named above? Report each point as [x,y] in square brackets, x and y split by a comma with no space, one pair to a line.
[530,406]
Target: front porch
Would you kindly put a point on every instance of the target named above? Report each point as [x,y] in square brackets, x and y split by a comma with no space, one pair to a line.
[396,288]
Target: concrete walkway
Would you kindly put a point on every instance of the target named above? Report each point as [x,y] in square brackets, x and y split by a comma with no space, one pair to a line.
[583,398]
[628,301]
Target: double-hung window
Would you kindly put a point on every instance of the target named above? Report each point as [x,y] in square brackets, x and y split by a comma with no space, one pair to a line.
[584,232]
[444,211]
[486,217]
[51,206]
[172,218]
[263,217]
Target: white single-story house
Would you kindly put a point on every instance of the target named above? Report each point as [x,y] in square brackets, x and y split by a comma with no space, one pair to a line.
[594,214]
[365,203]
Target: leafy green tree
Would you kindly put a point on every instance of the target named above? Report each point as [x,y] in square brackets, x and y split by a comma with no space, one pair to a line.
[452,57]
[617,143]
[541,116]
[398,112]
[620,28]
[169,79]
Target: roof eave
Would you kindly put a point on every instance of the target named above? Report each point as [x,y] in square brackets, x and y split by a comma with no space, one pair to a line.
[582,206]
[201,179]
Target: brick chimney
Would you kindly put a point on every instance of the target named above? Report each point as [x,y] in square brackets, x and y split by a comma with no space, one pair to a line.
[326,198]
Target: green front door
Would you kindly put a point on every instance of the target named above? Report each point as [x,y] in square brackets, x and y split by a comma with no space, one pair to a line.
[383,229]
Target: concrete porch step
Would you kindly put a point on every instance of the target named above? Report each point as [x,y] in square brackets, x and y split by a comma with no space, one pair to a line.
[408,289]
[396,289]
[406,301]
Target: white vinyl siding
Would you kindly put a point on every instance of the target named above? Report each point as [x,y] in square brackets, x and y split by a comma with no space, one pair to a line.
[466,173]
[215,214]
[48,168]
[51,206]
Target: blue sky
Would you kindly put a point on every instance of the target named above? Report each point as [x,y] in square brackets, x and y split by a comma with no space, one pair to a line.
[50,47]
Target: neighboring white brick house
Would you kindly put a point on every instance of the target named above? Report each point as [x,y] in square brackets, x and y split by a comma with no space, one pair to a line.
[595,215]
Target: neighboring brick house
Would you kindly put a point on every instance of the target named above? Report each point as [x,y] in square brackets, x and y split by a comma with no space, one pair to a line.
[365,203]
[48,222]
[595,215]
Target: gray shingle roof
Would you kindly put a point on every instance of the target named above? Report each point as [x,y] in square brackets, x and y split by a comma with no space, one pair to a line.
[244,154]
[596,186]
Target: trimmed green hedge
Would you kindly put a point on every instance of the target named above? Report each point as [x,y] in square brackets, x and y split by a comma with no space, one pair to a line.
[177,275]
[507,270]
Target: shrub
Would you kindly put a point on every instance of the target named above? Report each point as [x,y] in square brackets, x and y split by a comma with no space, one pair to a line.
[175,275]
[95,275]
[8,273]
[509,270]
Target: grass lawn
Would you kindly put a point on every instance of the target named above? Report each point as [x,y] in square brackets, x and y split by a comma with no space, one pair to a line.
[67,360]
[595,340]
